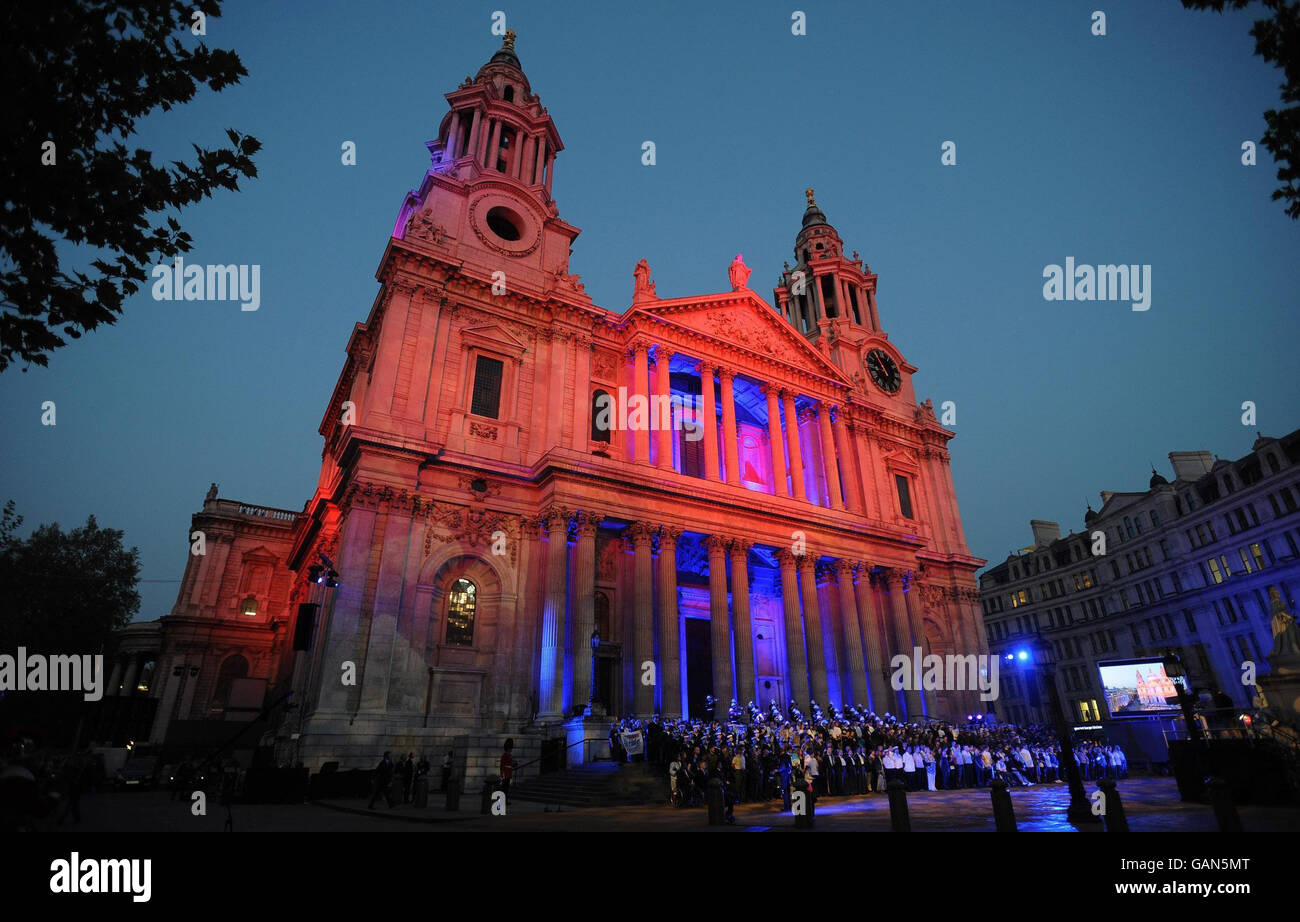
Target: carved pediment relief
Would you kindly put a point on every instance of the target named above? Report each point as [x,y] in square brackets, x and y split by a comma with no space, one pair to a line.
[495,337]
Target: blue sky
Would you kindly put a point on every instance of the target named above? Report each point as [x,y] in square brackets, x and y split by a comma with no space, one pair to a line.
[1116,149]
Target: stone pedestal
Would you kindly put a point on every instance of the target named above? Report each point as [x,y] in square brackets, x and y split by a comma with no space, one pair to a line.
[587,738]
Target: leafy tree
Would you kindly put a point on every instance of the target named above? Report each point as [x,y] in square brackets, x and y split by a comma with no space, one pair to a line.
[80,75]
[65,593]
[1277,40]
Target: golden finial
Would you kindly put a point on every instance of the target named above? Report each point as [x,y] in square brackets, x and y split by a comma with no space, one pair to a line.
[809,193]
[509,40]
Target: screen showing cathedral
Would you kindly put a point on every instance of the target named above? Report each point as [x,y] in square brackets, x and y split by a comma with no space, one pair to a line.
[1138,688]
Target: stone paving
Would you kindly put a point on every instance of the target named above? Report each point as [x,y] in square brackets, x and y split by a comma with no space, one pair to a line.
[1151,804]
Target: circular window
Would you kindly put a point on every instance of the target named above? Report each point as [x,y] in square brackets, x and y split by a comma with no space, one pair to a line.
[504,223]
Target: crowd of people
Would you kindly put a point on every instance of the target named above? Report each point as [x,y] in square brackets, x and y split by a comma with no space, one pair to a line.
[761,756]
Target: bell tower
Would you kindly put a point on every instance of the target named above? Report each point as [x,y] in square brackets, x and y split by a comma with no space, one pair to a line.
[486,199]
[831,299]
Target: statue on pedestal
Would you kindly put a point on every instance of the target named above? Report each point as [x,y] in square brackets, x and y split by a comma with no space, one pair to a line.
[1286,635]
[643,288]
[739,273]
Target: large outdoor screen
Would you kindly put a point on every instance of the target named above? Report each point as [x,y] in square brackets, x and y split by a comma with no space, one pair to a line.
[1137,688]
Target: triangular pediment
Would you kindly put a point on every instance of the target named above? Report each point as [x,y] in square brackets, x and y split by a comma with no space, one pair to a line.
[744,320]
[491,334]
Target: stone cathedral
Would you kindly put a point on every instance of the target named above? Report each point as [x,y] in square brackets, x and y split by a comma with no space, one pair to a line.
[521,548]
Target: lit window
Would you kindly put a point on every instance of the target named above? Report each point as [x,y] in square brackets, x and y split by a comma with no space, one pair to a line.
[249,607]
[1258,554]
[461,604]
[1215,572]
[1245,559]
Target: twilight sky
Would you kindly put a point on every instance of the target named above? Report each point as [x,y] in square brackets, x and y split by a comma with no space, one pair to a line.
[1117,149]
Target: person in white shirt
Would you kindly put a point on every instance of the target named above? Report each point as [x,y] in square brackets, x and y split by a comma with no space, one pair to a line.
[1027,760]
[909,770]
[928,758]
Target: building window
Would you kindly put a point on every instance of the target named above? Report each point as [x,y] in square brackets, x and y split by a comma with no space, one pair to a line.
[1191,621]
[1258,553]
[248,607]
[1215,572]
[1155,519]
[462,602]
[601,416]
[487,387]
[904,496]
[602,615]
[1178,583]
[1245,560]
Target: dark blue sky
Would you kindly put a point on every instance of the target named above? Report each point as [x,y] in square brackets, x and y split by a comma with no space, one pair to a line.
[1122,149]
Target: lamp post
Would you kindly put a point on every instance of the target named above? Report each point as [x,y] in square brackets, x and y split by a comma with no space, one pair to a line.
[595,676]
[1080,810]
[1177,673]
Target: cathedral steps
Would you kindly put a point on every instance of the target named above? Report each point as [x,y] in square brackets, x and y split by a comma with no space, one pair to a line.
[597,784]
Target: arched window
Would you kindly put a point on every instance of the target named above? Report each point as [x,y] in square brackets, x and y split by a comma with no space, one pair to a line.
[462,602]
[509,93]
[235,667]
[601,416]
[602,615]
[248,607]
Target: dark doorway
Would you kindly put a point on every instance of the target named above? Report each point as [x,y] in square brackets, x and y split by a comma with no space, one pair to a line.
[553,756]
[699,666]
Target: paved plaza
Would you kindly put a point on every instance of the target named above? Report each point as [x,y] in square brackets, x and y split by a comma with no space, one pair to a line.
[1152,805]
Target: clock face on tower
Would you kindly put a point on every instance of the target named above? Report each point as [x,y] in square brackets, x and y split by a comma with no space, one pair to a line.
[884,371]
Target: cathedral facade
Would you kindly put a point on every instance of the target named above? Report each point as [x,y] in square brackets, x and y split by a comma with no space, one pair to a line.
[533,511]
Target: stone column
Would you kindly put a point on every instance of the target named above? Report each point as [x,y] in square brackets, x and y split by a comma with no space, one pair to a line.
[852,635]
[663,391]
[844,451]
[641,388]
[776,442]
[643,627]
[494,146]
[792,441]
[882,695]
[744,634]
[796,660]
[584,609]
[897,615]
[132,671]
[550,697]
[471,145]
[914,618]
[453,137]
[550,171]
[528,154]
[114,680]
[538,161]
[828,456]
[730,443]
[669,662]
[719,626]
[812,627]
[710,422]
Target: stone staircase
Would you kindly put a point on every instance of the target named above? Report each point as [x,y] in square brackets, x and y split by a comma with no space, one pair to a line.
[597,784]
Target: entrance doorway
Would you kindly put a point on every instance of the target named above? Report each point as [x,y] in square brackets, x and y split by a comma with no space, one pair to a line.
[609,672]
[699,667]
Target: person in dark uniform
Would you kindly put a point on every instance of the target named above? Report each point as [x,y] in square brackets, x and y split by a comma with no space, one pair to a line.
[382,782]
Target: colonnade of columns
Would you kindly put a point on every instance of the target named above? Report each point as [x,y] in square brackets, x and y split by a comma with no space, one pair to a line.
[871,611]
[835,444]
[126,673]
[529,157]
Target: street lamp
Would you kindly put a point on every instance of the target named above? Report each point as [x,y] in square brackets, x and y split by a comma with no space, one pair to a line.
[595,676]
[1177,674]
[1080,810]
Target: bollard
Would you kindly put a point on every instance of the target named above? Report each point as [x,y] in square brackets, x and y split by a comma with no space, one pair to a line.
[420,796]
[899,820]
[1225,811]
[485,799]
[715,800]
[1004,814]
[453,795]
[1112,813]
